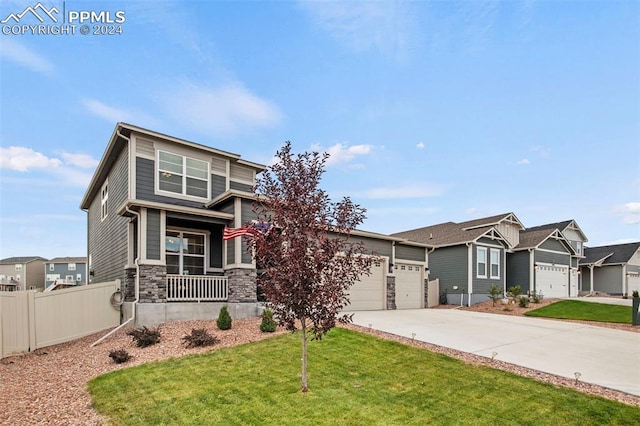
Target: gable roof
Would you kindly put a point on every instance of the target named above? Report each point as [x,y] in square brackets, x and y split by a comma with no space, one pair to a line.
[609,255]
[68,260]
[491,221]
[562,226]
[448,234]
[533,238]
[21,259]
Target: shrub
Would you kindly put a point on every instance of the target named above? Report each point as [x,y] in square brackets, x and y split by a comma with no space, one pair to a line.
[523,301]
[145,336]
[495,294]
[199,337]
[224,319]
[635,293]
[536,297]
[119,356]
[514,291]
[268,325]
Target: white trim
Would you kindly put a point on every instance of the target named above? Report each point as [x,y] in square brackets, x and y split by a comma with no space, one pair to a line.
[132,145]
[486,262]
[470,271]
[532,270]
[554,251]
[163,234]
[491,251]
[554,265]
[104,200]
[490,245]
[183,175]
[206,236]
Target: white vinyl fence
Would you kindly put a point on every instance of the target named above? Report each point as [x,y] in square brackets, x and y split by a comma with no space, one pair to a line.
[31,320]
[433,293]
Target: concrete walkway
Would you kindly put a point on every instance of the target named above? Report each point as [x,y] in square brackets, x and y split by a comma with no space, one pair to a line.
[605,300]
[602,356]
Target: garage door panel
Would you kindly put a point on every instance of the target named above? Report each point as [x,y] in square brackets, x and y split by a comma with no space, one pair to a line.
[368,294]
[634,284]
[552,281]
[409,286]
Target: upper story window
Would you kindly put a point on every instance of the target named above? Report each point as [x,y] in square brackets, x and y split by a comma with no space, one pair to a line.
[104,200]
[579,247]
[482,262]
[183,175]
[51,267]
[495,263]
[72,267]
[18,267]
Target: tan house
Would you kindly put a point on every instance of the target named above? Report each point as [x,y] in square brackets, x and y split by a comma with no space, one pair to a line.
[22,273]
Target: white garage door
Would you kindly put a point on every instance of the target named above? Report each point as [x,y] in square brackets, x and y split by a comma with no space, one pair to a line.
[552,281]
[633,284]
[368,294]
[409,288]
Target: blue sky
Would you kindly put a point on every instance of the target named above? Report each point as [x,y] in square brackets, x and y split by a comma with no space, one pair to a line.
[432,111]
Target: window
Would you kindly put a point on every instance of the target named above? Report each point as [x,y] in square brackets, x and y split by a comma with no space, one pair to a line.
[18,278]
[183,175]
[72,267]
[185,253]
[104,198]
[69,278]
[19,267]
[495,263]
[579,247]
[78,277]
[482,262]
[51,267]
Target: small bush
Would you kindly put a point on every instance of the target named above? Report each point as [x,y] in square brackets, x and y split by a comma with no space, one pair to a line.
[523,301]
[145,336]
[224,319]
[119,356]
[268,325]
[635,293]
[495,294]
[536,297]
[199,337]
[514,291]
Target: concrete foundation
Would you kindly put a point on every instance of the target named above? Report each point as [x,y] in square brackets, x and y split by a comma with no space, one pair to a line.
[153,314]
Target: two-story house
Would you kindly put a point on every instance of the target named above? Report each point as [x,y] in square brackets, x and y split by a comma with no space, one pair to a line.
[65,272]
[22,273]
[157,207]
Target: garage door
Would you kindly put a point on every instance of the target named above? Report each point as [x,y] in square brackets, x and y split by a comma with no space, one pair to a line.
[633,284]
[552,281]
[368,294]
[409,288]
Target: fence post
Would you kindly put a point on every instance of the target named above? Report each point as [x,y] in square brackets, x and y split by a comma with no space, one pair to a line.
[635,319]
[31,312]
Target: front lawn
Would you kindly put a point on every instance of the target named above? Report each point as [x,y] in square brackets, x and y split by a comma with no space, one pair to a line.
[585,311]
[354,379]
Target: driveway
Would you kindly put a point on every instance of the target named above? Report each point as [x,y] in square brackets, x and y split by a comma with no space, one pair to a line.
[602,356]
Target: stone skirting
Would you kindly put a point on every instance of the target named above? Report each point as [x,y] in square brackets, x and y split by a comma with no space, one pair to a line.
[153,283]
[391,292]
[242,285]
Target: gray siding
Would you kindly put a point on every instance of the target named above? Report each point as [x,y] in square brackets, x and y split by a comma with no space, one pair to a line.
[551,244]
[482,285]
[449,265]
[62,269]
[107,240]
[240,186]
[377,247]
[153,234]
[410,253]
[553,258]
[145,186]
[215,256]
[218,185]
[608,279]
[231,251]
[518,270]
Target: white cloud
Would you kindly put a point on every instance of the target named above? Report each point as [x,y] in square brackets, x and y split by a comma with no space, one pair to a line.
[84,161]
[340,153]
[630,213]
[420,145]
[17,52]
[385,26]
[411,191]
[223,110]
[102,110]
[24,159]
[523,161]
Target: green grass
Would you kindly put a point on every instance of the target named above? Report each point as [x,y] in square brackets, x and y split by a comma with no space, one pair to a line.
[354,379]
[585,311]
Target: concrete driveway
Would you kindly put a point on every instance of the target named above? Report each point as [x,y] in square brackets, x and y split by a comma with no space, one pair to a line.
[602,356]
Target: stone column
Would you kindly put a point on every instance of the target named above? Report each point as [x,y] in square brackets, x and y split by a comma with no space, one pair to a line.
[391,292]
[242,285]
[153,283]
[129,287]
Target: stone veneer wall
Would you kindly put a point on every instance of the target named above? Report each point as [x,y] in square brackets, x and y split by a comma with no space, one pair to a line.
[391,292]
[129,288]
[153,283]
[242,285]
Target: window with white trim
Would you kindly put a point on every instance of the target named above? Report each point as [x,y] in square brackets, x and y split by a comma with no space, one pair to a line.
[185,253]
[78,277]
[52,267]
[183,175]
[494,267]
[104,200]
[69,278]
[19,267]
[481,262]
[72,267]
[18,277]
[579,248]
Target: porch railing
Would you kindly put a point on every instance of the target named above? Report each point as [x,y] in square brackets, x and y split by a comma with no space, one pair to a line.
[197,288]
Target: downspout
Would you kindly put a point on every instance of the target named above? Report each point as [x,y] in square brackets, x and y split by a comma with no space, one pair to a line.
[470,271]
[137,285]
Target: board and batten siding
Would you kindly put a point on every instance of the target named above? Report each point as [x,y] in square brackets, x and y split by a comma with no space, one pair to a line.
[519,270]
[154,237]
[410,253]
[108,238]
[449,265]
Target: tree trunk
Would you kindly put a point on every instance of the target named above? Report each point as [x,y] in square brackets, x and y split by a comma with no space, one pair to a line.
[304,355]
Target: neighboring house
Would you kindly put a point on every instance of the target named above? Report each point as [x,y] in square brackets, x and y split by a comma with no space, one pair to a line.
[468,258]
[156,210]
[22,273]
[65,271]
[613,269]
[542,263]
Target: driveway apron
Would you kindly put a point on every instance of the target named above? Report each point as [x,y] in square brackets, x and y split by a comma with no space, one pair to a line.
[602,356]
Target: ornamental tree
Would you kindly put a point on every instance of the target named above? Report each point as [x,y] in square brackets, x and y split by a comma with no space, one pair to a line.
[307,260]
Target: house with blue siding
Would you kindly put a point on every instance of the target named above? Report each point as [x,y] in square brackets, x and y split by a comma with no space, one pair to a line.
[468,258]
[612,269]
[157,207]
[65,272]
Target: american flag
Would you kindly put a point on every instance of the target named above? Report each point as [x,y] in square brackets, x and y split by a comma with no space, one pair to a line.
[230,233]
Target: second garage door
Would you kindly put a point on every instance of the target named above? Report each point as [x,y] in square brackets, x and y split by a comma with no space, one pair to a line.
[368,294]
[552,281]
[409,287]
